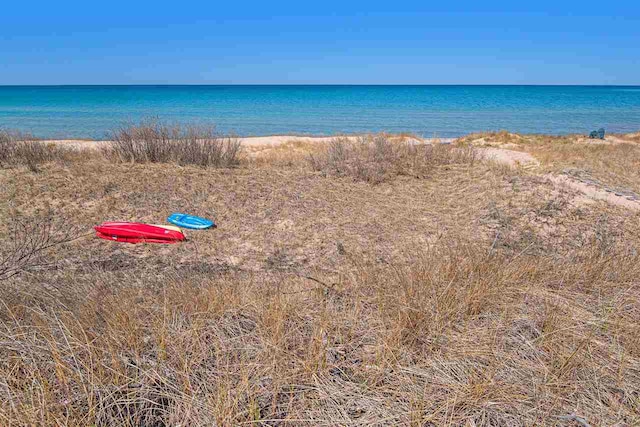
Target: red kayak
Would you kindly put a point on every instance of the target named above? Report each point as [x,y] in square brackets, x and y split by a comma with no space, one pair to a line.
[135,232]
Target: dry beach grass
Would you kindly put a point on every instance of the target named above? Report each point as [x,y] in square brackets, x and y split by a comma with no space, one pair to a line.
[359,282]
[615,161]
[23,149]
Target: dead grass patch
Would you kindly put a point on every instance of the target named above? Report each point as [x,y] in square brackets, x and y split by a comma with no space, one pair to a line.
[502,337]
[28,241]
[288,154]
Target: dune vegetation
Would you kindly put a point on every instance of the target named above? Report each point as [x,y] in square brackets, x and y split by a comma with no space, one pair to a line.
[366,281]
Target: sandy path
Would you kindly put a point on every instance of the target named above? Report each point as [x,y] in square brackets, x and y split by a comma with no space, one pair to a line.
[589,192]
[77,143]
[508,157]
[254,141]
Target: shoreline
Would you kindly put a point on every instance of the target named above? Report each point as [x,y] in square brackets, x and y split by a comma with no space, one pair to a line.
[253,141]
[276,140]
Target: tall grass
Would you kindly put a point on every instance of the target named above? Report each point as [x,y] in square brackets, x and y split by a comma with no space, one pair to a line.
[377,158]
[152,142]
[457,336]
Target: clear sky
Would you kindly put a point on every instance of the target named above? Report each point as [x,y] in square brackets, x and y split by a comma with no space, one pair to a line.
[320,42]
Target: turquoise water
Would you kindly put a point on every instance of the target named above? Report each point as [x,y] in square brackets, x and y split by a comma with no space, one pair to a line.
[445,111]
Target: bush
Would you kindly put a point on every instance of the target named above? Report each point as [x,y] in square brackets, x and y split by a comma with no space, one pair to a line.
[6,147]
[152,142]
[375,159]
[25,150]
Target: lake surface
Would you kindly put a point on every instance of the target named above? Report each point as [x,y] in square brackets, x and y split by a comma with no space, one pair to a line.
[445,111]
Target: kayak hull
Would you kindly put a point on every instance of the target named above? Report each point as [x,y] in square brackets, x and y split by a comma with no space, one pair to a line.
[190,221]
[135,232]
[134,239]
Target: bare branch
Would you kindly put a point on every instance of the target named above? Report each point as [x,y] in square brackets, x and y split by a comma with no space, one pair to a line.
[28,241]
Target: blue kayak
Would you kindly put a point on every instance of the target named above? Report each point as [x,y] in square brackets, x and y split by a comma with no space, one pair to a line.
[190,221]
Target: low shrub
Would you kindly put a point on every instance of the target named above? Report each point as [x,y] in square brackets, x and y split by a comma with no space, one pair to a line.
[152,142]
[25,150]
[29,240]
[7,147]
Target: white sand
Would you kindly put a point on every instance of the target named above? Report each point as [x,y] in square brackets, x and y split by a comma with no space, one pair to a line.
[508,157]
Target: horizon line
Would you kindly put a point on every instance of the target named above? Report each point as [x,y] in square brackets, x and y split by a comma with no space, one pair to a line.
[318,84]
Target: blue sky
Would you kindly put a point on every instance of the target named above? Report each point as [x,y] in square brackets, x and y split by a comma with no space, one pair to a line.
[323,42]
